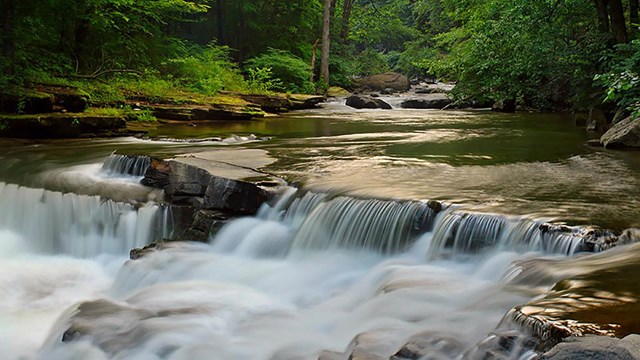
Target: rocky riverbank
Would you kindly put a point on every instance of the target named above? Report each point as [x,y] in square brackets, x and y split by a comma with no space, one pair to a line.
[67,112]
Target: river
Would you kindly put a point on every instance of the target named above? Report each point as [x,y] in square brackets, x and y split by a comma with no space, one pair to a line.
[351,248]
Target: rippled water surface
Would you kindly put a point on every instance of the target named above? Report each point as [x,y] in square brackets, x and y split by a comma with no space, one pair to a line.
[534,164]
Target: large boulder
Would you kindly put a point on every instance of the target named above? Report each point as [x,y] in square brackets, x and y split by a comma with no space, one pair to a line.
[431,101]
[596,347]
[625,134]
[366,102]
[380,82]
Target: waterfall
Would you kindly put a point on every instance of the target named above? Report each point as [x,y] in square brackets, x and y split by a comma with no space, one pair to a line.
[467,233]
[301,221]
[78,225]
[381,225]
[133,165]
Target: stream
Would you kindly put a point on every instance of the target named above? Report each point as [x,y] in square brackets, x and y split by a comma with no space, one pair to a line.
[350,248]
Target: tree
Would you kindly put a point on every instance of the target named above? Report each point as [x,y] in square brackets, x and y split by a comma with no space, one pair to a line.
[324,59]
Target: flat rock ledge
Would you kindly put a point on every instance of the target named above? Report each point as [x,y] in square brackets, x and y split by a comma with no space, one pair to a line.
[207,189]
[63,125]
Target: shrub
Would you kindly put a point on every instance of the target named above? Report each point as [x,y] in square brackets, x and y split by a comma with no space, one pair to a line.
[291,71]
[208,70]
[622,81]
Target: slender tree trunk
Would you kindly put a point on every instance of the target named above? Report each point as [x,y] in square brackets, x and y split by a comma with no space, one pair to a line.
[312,68]
[603,15]
[326,24]
[8,44]
[347,6]
[220,20]
[618,25]
[634,9]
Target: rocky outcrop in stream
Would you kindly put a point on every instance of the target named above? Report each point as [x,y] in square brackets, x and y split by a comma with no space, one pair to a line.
[209,188]
[367,102]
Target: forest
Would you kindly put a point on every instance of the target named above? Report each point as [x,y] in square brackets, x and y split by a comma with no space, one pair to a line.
[551,55]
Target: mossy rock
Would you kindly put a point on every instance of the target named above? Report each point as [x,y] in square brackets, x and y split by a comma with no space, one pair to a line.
[61,125]
[336,91]
[23,101]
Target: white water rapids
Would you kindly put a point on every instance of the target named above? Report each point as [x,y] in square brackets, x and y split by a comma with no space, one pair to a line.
[307,275]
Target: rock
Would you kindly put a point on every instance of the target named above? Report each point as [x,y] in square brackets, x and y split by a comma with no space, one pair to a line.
[302,101]
[433,101]
[62,125]
[429,345]
[215,111]
[625,134]
[434,205]
[507,105]
[629,236]
[366,102]
[336,91]
[374,95]
[387,91]
[205,223]
[26,102]
[373,345]
[233,195]
[186,180]
[157,174]
[270,103]
[597,120]
[595,347]
[380,82]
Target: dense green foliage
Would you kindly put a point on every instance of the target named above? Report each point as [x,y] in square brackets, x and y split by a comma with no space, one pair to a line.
[547,54]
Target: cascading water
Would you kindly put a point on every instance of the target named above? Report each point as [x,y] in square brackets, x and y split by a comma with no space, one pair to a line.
[78,225]
[133,165]
[317,221]
[306,275]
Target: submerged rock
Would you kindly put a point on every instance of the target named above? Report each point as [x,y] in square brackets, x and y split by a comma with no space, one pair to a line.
[366,102]
[625,134]
[429,345]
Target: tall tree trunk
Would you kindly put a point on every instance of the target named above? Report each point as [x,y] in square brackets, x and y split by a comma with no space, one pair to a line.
[8,45]
[347,6]
[312,67]
[326,24]
[220,20]
[603,15]
[634,9]
[618,25]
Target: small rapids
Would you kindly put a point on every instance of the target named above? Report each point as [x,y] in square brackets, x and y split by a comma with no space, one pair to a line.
[118,165]
[78,225]
[306,275]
